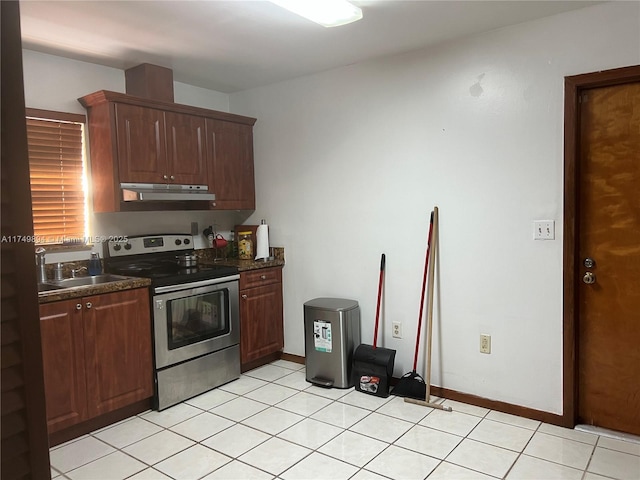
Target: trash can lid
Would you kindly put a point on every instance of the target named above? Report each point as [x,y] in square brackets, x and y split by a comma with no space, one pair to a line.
[334,304]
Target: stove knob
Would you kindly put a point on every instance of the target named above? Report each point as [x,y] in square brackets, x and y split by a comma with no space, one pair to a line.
[187,241]
[178,241]
[127,246]
[117,247]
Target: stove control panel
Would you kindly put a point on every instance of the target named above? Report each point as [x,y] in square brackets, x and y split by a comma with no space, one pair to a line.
[149,244]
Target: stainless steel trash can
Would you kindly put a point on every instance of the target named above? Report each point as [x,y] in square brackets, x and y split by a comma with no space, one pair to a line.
[331,332]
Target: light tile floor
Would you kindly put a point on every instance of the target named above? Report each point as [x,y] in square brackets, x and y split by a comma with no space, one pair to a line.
[272,424]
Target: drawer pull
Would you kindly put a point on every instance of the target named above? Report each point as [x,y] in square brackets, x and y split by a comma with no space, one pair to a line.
[263,277]
[244,295]
[79,306]
[89,305]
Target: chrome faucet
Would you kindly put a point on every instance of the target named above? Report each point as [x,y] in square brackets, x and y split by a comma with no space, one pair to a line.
[76,271]
[42,273]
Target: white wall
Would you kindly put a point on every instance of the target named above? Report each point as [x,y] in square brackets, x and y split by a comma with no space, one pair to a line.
[55,83]
[350,162]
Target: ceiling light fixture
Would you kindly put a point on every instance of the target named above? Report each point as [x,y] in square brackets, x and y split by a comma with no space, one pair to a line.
[328,13]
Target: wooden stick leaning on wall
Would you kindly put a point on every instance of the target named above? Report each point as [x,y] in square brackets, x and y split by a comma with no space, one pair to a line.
[427,368]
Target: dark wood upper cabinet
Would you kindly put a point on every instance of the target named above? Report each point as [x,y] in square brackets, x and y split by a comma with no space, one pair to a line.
[160,147]
[186,153]
[140,136]
[140,140]
[230,148]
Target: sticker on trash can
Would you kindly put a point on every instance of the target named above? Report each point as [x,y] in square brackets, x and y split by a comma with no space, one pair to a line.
[322,335]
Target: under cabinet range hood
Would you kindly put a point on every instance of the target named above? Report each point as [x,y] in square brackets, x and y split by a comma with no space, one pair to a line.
[141,192]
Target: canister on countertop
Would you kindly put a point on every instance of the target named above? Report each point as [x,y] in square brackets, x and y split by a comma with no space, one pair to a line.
[95,265]
[245,245]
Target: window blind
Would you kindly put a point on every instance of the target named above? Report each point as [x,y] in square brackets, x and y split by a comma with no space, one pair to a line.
[56,169]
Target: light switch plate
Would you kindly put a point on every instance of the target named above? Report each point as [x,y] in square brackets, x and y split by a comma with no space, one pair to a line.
[544,230]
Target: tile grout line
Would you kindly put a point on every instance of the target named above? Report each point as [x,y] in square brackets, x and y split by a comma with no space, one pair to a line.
[341,399]
[521,452]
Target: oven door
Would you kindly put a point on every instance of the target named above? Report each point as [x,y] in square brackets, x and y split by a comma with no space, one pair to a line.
[194,319]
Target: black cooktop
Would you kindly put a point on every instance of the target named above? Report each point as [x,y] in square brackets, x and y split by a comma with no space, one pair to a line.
[166,271]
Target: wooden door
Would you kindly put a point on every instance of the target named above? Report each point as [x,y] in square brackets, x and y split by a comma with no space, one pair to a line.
[608,232]
[117,349]
[62,336]
[186,152]
[24,448]
[261,322]
[140,138]
[230,147]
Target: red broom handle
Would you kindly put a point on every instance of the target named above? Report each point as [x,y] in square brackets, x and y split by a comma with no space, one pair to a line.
[424,285]
[375,333]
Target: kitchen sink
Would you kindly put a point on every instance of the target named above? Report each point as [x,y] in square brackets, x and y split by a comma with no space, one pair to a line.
[85,281]
[47,287]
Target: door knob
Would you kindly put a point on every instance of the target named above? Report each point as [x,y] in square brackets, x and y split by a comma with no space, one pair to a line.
[589,262]
[589,278]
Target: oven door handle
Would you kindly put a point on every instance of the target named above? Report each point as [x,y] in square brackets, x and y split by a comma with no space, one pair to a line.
[201,283]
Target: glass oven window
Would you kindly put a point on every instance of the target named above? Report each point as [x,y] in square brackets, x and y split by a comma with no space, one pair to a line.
[197,318]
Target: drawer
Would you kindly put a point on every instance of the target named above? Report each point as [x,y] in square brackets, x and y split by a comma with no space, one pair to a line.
[258,278]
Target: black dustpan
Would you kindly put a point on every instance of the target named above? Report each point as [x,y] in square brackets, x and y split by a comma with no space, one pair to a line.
[372,365]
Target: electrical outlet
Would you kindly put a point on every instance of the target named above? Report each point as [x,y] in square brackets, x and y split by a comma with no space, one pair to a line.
[544,230]
[485,343]
[396,329]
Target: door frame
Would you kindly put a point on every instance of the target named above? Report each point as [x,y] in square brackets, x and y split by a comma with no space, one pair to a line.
[573,88]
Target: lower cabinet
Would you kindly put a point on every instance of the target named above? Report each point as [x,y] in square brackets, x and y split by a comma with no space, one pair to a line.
[96,354]
[261,328]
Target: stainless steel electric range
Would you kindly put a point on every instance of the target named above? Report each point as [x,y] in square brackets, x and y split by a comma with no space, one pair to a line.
[195,314]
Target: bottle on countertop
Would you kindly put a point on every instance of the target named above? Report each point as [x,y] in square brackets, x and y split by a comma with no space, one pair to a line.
[234,244]
[95,265]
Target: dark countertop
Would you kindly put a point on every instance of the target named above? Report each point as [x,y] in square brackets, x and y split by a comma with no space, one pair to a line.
[245,265]
[77,292]
[207,256]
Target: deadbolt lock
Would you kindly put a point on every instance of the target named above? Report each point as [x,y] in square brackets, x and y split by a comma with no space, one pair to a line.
[589,262]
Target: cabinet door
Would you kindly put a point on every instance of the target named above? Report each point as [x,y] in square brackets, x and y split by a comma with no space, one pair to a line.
[230,147]
[118,349]
[141,146]
[186,153]
[62,335]
[261,330]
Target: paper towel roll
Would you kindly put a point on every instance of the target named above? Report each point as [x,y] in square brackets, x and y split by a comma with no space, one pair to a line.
[262,241]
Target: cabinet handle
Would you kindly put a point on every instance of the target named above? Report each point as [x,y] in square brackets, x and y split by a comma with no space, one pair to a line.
[89,305]
[164,177]
[244,295]
[172,177]
[79,306]
[213,204]
[263,277]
